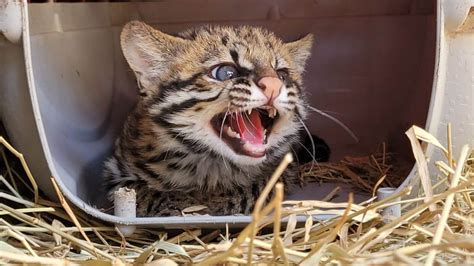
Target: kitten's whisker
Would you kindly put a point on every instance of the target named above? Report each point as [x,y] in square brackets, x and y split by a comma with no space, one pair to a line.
[308,151]
[331,112]
[238,124]
[250,120]
[220,136]
[335,120]
[311,139]
[245,126]
[295,154]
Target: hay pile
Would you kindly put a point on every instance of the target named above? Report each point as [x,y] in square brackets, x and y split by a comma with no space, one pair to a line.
[436,225]
[364,173]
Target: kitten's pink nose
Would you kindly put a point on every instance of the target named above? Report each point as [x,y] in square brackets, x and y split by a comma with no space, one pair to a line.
[271,87]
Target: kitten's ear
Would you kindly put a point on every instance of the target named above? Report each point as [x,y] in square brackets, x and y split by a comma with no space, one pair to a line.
[300,50]
[148,51]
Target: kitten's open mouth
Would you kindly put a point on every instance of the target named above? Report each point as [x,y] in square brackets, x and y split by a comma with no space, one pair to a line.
[246,132]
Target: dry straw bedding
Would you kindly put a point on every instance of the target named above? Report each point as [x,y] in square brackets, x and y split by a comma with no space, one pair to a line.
[436,225]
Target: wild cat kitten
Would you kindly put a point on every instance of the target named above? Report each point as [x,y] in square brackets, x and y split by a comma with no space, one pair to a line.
[219,108]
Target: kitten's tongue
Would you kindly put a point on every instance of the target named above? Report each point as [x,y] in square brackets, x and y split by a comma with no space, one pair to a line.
[250,129]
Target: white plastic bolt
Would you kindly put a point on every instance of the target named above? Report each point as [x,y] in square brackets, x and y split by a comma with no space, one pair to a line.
[391,212]
[125,205]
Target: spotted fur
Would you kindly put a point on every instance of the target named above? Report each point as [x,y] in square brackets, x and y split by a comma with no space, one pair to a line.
[168,151]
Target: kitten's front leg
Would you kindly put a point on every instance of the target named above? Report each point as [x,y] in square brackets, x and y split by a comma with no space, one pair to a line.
[163,203]
[237,200]
[172,203]
[241,200]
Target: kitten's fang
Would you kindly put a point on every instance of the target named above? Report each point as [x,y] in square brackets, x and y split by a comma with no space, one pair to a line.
[232,133]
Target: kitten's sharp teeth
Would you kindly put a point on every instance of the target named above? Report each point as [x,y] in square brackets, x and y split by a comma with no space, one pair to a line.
[249,111]
[271,112]
[236,135]
[232,133]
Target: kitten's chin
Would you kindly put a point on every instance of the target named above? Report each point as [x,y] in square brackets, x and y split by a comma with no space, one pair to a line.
[247,160]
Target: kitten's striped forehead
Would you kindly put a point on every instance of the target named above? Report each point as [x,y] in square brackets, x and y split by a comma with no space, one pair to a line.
[249,47]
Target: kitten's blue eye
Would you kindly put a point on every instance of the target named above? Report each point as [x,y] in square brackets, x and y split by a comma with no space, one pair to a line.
[224,72]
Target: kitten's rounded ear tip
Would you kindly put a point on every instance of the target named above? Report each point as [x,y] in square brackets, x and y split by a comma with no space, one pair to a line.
[134,24]
[134,27]
[309,37]
[306,40]
[128,38]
